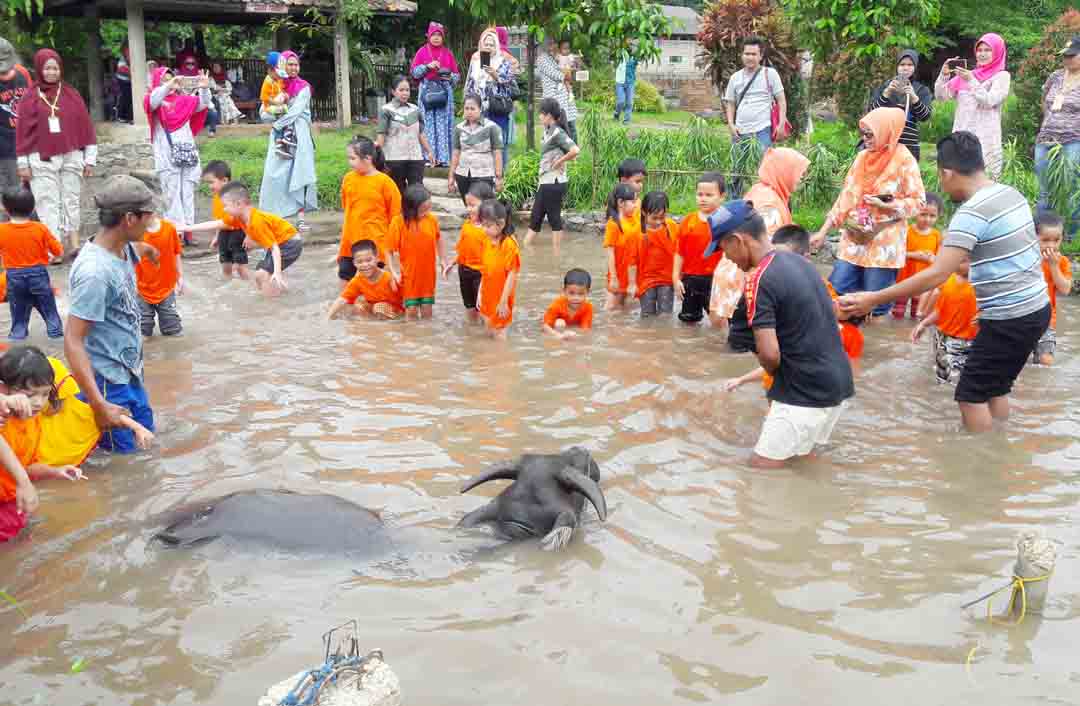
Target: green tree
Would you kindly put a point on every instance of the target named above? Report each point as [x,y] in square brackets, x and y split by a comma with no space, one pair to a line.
[868,29]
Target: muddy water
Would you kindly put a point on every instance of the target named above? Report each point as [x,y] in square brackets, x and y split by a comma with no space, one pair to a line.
[836,583]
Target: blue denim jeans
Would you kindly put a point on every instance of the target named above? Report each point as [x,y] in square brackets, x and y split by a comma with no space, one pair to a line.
[847,278]
[133,397]
[1071,152]
[624,101]
[30,288]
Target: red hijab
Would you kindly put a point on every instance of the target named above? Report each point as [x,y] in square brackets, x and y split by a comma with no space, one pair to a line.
[175,110]
[32,129]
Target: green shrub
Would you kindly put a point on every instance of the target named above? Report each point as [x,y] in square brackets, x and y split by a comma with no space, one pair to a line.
[940,123]
[850,81]
[600,91]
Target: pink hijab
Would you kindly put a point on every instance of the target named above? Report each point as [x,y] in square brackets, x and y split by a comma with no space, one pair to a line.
[429,53]
[293,86]
[984,73]
[175,110]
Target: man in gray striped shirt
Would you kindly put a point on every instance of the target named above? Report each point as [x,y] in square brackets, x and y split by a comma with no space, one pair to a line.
[994,231]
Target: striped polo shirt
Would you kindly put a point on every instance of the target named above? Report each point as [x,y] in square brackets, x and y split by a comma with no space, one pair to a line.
[996,227]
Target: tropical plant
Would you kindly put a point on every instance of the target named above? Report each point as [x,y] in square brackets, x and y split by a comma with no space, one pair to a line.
[850,80]
[1023,123]
[867,29]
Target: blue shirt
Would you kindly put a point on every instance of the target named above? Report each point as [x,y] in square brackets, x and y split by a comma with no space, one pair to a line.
[996,227]
[103,292]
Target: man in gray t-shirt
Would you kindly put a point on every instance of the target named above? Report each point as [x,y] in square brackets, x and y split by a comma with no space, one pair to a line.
[750,94]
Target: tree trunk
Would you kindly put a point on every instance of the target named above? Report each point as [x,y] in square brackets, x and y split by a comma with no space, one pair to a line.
[530,124]
[95,93]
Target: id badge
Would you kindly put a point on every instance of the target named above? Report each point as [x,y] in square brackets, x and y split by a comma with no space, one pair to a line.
[54,124]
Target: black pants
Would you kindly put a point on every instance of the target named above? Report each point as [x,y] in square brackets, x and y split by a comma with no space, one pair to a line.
[548,202]
[406,173]
[998,354]
[464,183]
[123,102]
[470,285]
[695,302]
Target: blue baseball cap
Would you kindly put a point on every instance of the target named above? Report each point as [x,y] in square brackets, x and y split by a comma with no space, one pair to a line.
[272,58]
[725,220]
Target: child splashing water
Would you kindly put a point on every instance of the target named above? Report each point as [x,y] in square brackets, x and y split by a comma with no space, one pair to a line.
[656,257]
[416,252]
[376,286]
[471,245]
[502,265]
[370,200]
[572,309]
[622,240]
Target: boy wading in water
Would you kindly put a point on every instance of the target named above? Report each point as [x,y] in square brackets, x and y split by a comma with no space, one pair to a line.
[993,230]
[796,338]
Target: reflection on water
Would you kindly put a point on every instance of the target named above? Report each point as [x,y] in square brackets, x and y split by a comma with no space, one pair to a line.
[709,581]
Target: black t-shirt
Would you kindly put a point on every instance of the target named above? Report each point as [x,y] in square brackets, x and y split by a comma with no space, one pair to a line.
[740,336]
[791,298]
[11,92]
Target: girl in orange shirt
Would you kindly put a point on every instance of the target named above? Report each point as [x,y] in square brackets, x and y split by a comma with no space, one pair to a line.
[923,243]
[622,240]
[470,249]
[656,257]
[370,200]
[502,264]
[417,252]
[954,313]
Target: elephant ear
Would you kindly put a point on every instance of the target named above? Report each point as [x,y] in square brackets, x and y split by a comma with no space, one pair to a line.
[507,470]
[575,480]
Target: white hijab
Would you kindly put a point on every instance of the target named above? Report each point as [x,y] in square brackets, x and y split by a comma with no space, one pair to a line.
[481,77]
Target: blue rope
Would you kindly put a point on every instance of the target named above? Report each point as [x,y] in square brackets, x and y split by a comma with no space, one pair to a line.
[319,676]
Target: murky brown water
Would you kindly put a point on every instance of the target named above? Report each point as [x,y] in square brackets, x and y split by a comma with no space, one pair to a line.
[836,583]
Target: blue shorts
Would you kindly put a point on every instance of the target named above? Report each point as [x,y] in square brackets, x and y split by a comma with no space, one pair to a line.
[131,396]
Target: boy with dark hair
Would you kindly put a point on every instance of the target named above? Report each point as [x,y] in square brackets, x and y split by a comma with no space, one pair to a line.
[162,281]
[26,248]
[793,237]
[230,240]
[374,284]
[632,171]
[993,230]
[795,337]
[572,308]
[1057,271]
[692,272]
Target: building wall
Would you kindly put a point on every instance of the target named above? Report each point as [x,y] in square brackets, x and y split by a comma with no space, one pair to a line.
[677,56]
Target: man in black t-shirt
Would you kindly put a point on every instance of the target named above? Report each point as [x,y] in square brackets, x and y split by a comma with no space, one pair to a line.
[14,83]
[796,338]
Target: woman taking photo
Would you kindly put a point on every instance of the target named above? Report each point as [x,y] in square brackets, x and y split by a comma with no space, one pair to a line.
[902,91]
[175,119]
[437,70]
[288,186]
[980,94]
[56,148]
[491,77]
[1061,125]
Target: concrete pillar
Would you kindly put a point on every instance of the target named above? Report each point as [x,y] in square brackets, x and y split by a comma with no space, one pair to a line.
[342,87]
[137,49]
[95,71]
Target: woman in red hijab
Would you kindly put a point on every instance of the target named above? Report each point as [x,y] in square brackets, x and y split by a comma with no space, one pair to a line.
[56,147]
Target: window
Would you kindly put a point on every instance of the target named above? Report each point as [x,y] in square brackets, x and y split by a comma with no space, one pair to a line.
[675,59]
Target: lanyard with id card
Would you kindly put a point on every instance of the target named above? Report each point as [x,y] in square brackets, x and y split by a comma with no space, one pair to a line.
[54,121]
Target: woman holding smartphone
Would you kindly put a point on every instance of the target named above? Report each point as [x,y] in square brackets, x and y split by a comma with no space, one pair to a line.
[491,77]
[904,92]
[980,94]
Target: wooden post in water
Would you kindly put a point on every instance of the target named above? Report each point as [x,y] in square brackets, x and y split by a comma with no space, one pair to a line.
[342,89]
[136,23]
[94,70]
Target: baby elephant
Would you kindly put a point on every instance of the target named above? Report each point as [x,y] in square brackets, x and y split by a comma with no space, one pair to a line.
[545,499]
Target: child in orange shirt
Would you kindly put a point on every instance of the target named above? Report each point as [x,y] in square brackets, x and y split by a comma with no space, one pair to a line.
[1058,273]
[26,248]
[381,295]
[470,249]
[622,240]
[272,95]
[416,252]
[923,243]
[161,282]
[656,258]
[370,200]
[953,309]
[502,265]
[229,241]
[692,273]
[572,308]
[26,384]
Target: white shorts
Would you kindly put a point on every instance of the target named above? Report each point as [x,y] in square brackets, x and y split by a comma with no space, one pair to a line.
[791,431]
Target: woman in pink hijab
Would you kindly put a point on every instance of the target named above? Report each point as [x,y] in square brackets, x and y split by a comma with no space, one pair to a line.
[980,94]
[437,71]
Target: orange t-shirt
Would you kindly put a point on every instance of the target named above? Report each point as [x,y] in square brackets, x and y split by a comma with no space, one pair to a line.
[417,245]
[626,243]
[499,261]
[560,309]
[919,242]
[381,291]
[957,309]
[268,230]
[217,211]
[656,258]
[157,282]
[1066,269]
[24,438]
[3,286]
[27,244]
[370,202]
[271,86]
[471,245]
[693,237]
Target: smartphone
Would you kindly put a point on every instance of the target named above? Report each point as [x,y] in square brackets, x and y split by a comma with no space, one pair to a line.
[189,83]
[903,82]
[485,59]
[885,197]
[955,64]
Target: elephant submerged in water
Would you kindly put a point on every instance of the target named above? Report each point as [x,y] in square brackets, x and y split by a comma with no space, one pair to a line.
[545,500]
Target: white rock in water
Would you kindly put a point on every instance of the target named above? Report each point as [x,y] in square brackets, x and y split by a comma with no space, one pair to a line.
[379,686]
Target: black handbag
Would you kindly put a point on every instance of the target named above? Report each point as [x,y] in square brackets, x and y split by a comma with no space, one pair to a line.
[500,105]
[183,155]
[436,96]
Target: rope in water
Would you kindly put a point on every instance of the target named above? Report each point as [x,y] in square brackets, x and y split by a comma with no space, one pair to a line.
[1017,585]
[306,691]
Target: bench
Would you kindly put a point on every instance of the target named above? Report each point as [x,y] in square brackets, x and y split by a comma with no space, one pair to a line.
[249,108]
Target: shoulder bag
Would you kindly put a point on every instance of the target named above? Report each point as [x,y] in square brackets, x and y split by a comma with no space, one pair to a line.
[183,155]
[779,131]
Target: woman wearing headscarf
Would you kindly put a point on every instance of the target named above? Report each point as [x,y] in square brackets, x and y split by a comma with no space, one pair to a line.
[288,184]
[515,71]
[56,147]
[553,84]
[221,88]
[980,94]
[491,77]
[882,190]
[1060,126]
[781,170]
[187,65]
[902,91]
[175,119]
[437,70]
